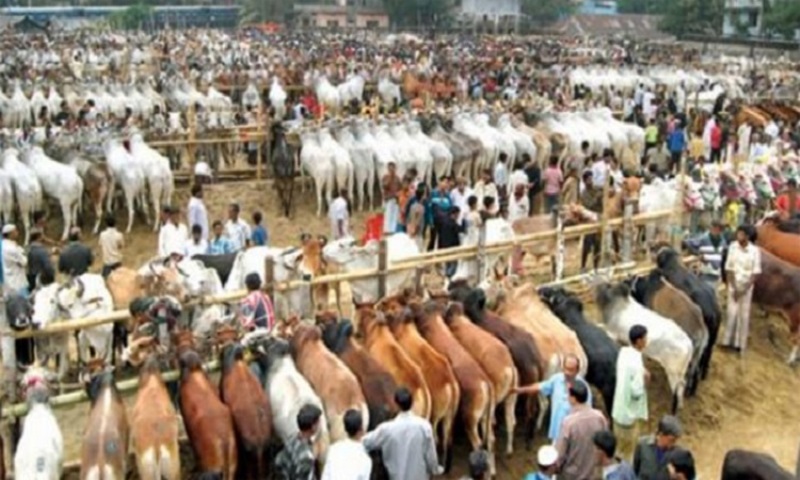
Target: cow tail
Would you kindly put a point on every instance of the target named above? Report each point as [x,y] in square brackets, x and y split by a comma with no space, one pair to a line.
[487,422]
[229,444]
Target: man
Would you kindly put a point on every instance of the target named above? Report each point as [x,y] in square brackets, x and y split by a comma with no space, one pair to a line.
[460,195]
[650,457]
[339,215]
[40,222]
[613,467]
[406,443]
[14,262]
[259,237]
[680,464]
[38,259]
[255,310]
[715,142]
[236,229]
[390,184]
[630,394]
[592,200]
[296,460]
[76,258]
[557,388]
[535,180]
[347,459]
[479,466]
[415,217]
[677,144]
[600,169]
[169,236]
[788,202]
[650,136]
[710,246]
[220,244]
[741,268]
[196,245]
[198,215]
[449,232]
[111,244]
[547,461]
[500,177]
[569,192]
[440,202]
[518,204]
[576,453]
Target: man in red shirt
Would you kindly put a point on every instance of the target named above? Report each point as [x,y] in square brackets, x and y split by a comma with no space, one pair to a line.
[788,202]
[716,143]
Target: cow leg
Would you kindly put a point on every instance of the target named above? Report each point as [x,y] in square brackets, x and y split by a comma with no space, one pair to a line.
[511,421]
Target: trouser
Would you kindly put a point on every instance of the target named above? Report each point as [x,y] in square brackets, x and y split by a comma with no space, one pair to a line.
[591,242]
[450,269]
[627,438]
[550,202]
[647,147]
[107,269]
[716,155]
[432,239]
[391,214]
[675,161]
[737,327]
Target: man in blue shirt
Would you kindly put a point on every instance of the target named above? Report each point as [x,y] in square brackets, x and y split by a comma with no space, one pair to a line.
[220,244]
[547,461]
[677,144]
[557,388]
[259,235]
[440,202]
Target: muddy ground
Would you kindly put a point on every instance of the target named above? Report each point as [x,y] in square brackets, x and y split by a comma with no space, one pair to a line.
[746,402]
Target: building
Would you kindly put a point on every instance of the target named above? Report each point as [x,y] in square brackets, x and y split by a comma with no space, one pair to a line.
[491,14]
[743,17]
[346,14]
[597,7]
[173,16]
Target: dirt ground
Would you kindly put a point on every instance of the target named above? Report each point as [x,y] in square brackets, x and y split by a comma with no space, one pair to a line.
[745,403]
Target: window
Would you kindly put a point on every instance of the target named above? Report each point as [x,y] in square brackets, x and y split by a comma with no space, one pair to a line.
[372,24]
[333,23]
[752,19]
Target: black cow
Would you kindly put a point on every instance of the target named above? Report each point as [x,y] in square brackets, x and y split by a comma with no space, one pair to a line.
[19,312]
[600,349]
[744,465]
[701,293]
[789,226]
[222,264]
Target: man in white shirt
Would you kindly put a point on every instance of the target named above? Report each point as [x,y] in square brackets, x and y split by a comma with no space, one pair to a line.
[198,215]
[171,237]
[741,269]
[501,176]
[197,245]
[15,262]
[236,229]
[459,197]
[347,459]
[111,243]
[600,171]
[630,394]
[340,216]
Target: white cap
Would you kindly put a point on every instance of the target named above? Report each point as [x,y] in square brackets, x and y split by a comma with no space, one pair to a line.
[547,456]
[202,169]
[8,228]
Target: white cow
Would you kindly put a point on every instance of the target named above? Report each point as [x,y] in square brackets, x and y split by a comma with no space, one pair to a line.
[288,390]
[58,181]
[442,156]
[6,197]
[319,164]
[341,160]
[347,255]
[277,98]
[160,180]
[126,172]
[667,343]
[363,166]
[40,451]
[27,190]
[497,230]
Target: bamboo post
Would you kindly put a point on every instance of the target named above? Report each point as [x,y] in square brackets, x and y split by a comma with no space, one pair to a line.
[9,353]
[560,242]
[259,119]
[627,230]
[192,137]
[677,221]
[481,257]
[382,266]
[269,277]
[604,231]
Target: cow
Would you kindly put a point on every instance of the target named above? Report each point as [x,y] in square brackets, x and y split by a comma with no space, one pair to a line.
[154,423]
[104,451]
[382,345]
[19,312]
[744,465]
[495,359]
[520,343]
[40,450]
[600,349]
[46,313]
[657,294]
[87,296]
[332,380]
[222,264]
[667,343]
[288,390]
[438,374]
[249,405]
[376,382]
[477,392]
[781,244]
[701,293]
[208,421]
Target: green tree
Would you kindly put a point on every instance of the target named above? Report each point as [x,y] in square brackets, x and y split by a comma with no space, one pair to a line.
[693,17]
[418,12]
[132,17]
[548,11]
[782,17]
[649,7]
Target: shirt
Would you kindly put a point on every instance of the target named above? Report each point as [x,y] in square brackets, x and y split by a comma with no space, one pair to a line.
[630,394]
[592,199]
[296,460]
[649,461]
[220,246]
[784,204]
[500,174]
[677,141]
[38,262]
[111,243]
[256,311]
[238,232]
[75,259]
[406,444]
[171,239]
[553,178]
[576,450]
[338,212]
[621,470]
[198,215]
[517,208]
[651,134]
[191,248]
[347,460]
[259,236]
[599,173]
[557,389]
[744,263]
[14,266]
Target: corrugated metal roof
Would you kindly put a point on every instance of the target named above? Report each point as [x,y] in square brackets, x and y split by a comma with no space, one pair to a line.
[638,26]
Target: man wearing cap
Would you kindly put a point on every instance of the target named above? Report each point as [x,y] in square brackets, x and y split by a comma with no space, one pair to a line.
[547,460]
[14,262]
[576,452]
[76,258]
[650,459]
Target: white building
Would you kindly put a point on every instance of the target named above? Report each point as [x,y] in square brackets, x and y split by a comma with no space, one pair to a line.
[487,11]
[743,17]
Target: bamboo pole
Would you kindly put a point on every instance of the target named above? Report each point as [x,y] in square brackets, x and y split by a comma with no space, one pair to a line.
[191,144]
[383,250]
[9,352]
[627,230]
[604,230]
[259,133]
[560,244]
[677,220]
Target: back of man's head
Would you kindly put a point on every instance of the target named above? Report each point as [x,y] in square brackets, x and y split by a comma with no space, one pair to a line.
[307,417]
[478,465]
[403,399]
[605,441]
[353,422]
[579,392]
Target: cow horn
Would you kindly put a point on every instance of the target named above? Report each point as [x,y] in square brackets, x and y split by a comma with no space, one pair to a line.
[81,287]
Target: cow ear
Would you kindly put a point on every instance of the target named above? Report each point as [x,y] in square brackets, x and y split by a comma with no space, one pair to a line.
[323,240]
[304,237]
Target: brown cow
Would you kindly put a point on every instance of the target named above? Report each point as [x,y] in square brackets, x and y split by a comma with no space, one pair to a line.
[104,452]
[209,424]
[154,423]
[438,374]
[782,245]
[376,382]
[495,359]
[126,284]
[242,392]
[477,391]
[381,344]
[331,379]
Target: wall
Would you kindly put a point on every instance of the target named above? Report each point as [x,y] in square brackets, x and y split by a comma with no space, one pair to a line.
[490,9]
[321,19]
[363,20]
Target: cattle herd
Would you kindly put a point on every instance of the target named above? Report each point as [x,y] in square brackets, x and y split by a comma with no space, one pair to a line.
[462,353]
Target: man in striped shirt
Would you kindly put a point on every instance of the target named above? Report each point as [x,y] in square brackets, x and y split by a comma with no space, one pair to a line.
[255,310]
[710,247]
